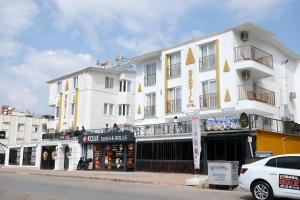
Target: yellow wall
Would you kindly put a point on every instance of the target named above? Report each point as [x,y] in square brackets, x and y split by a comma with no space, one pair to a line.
[277,143]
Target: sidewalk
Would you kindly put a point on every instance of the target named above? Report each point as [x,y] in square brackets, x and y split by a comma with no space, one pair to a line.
[134,177]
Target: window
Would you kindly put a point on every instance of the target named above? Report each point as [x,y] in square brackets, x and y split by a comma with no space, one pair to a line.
[124,109]
[59,86]
[290,162]
[125,86]
[29,155]
[272,162]
[150,74]
[174,102]
[21,127]
[208,57]
[75,82]
[174,65]
[109,82]
[108,109]
[35,128]
[208,97]
[57,112]
[149,109]
[44,128]
[72,109]
[14,156]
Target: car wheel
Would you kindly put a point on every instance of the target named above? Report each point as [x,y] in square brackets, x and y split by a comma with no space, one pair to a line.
[262,191]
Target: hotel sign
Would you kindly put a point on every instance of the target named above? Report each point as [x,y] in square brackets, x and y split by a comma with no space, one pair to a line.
[2,135]
[107,138]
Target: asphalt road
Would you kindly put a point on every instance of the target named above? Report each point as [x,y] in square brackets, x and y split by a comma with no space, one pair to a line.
[33,187]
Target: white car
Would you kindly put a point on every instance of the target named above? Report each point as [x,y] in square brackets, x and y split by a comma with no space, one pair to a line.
[276,176]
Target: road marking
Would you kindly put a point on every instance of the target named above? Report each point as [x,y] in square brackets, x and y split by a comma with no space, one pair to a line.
[26,195]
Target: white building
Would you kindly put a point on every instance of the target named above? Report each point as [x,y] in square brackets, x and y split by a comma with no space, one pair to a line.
[89,98]
[239,70]
[23,135]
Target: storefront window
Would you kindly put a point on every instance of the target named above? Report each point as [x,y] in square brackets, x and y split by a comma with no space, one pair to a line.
[14,156]
[29,155]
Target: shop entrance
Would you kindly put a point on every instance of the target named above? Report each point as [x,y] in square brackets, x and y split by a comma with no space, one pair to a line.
[66,158]
[117,157]
[48,157]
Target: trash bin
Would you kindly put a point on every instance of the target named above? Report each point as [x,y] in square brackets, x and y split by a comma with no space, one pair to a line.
[223,173]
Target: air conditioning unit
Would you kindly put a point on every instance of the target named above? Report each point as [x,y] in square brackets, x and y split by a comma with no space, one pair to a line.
[244,36]
[292,95]
[246,74]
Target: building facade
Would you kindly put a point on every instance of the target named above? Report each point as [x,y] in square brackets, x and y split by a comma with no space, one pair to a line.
[23,136]
[91,98]
[222,75]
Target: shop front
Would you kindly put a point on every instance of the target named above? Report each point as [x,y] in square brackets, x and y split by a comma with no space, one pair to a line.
[110,151]
[48,156]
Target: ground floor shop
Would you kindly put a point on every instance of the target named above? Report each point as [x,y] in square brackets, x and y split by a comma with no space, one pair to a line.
[110,151]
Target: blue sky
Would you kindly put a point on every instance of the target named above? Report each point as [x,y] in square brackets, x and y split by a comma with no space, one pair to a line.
[43,39]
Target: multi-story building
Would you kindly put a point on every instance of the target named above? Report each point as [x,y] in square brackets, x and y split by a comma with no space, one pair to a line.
[23,135]
[89,98]
[239,70]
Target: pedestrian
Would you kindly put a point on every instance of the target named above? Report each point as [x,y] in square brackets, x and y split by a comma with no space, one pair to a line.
[106,128]
[83,130]
[115,127]
[77,132]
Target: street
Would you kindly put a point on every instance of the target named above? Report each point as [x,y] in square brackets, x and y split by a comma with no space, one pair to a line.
[34,187]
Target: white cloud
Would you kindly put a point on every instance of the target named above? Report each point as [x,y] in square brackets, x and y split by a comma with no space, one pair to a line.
[24,85]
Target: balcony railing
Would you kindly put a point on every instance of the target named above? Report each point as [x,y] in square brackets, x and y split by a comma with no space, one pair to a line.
[149,111]
[174,70]
[252,53]
[69,135]
[150,79]
[207,63]
[174,106]
[208,101]
[256,93]
[164,129]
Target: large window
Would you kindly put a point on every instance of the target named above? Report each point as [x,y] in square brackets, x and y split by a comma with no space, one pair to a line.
[75,82]
[59,86]
[21,127]
[174,65]
[150,74]
[29,155]
[174,100]
[150,105]
[108,109]
[208,57]
[125,86]
[109,82]
[208,97]
[124,109]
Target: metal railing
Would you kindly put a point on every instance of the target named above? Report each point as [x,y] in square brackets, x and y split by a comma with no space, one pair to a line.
[174,106]
[273,125]
[250,92]
[164,128]
[150,79]
[207,63]
[68,135]
[252,53]
[174,70]
[149,111]
[208,101]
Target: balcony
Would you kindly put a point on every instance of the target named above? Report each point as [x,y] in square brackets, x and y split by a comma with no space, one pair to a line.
[174,70]
[68,135]
[256,93]
[174,106]
[208,101]
[149,111]
[207,63]
[172,128]
[149,80]
[243,53]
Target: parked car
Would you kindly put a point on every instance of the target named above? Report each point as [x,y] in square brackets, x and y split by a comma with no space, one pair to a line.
[276,176]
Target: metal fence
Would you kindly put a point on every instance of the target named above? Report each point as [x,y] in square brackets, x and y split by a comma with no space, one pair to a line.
[174,70]
[208,101]
[207,63]
[250,92]
[252,53]
[149,79]
[149,111]
[174,106]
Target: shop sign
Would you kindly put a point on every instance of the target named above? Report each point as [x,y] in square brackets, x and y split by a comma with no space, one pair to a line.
[222,123]
[289,182]
[2,135]
[107,138]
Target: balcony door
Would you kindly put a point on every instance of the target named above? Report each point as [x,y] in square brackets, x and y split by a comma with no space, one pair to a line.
[174,104]
[208,94]
[208,52]
[150,104]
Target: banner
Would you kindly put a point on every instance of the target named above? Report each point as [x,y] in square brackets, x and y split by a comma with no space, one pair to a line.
[196,136]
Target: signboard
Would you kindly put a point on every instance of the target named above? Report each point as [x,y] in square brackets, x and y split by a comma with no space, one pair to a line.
[289,182]
[196,136]
[222,123]
[107,138]
[2,135]
[223,172]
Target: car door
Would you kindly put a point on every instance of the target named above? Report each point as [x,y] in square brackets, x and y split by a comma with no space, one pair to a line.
[271,174]
[289,176]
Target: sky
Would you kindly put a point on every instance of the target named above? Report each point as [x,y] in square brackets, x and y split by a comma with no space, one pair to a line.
[43,39]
